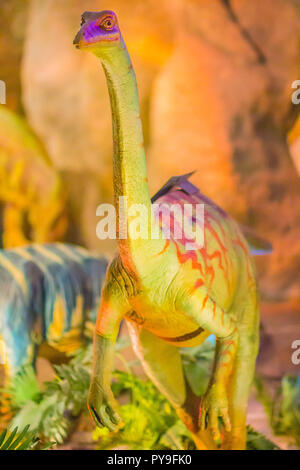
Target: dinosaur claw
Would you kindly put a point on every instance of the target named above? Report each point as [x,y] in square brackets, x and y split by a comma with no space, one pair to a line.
[103,413]
[96,417]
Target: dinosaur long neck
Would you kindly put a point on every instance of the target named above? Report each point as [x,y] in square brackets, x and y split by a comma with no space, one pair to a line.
[129,163]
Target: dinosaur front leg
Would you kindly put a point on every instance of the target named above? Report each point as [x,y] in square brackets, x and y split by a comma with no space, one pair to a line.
[211,317]
[101,402]
[162,363]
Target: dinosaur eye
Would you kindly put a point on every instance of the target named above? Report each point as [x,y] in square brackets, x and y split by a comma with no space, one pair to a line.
[107,24]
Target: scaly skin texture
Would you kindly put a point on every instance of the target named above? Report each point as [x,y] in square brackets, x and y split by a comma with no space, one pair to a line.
[49,293]
[170,296]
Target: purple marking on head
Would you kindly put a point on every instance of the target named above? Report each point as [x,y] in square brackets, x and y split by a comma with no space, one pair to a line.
[91,31]
[97,27]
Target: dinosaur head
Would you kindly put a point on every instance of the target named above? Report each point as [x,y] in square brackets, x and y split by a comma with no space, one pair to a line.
[98,30]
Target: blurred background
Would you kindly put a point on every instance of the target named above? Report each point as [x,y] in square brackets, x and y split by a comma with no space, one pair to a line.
[215,81]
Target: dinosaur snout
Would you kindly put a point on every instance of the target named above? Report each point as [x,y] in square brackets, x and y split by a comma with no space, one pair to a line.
[78,38]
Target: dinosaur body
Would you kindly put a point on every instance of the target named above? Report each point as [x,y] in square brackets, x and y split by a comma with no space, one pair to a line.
[215,266]
[191,295]
[49,293]
[171,296]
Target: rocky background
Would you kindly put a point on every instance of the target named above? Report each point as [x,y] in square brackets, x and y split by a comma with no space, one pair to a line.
[215,80]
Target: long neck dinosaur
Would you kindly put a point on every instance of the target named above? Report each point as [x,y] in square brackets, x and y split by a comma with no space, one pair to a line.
[129,161]
[171,296]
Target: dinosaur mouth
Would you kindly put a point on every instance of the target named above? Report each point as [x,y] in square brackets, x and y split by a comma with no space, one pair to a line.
[85,39]
[82,44]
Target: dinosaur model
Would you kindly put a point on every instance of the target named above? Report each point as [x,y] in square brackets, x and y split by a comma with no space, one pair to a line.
[170,296]
[50,294]
[32,193]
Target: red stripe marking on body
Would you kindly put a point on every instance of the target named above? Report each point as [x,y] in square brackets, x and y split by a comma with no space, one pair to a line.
[204,302]
[226,364]
[214,309]
[239,243]
[229,342]
[191,255]
[217,254]
[198,283]
[223,248]
[227,353]
[210,218]
[165,248]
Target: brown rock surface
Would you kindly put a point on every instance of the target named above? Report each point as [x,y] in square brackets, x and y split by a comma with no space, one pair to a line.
[12,31]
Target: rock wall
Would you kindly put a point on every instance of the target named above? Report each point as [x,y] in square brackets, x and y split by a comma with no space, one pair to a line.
[13,16]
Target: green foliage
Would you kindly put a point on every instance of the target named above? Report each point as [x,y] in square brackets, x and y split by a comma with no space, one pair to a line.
[283,410]
[23,387]
[152,424]
[257,441]
[25,440]
[150,421]
[52,410]
[197,363]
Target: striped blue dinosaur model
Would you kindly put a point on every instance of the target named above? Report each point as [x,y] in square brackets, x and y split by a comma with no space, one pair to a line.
[48,293]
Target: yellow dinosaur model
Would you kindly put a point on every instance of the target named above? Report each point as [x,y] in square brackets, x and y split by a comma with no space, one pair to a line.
[170,295]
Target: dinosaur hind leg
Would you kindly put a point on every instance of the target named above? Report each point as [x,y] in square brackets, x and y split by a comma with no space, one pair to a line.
[241,380]
[162,363]
[18,350]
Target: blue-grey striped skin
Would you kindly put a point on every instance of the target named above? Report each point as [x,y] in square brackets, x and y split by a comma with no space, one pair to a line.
[48,292]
